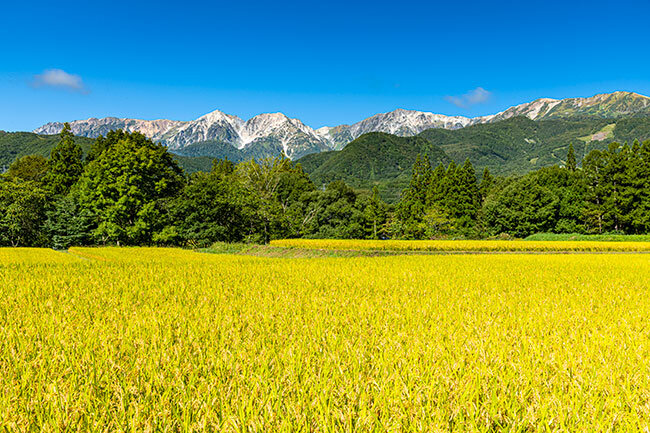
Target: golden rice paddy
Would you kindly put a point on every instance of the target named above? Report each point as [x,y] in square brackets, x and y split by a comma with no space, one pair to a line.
[139,339]
[465,245]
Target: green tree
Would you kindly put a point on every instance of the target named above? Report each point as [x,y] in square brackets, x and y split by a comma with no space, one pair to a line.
[277,185]
[571,163]
[376,215]
[522,208]
[28,168]
[437,222]
[636,188]
[640,215]
[487,181]
[450,188]
[128,188]
[112,138]
[468,200]
[65,164]
[435,194]
[413,204]
[593,212]
[617,189]
[569,187]
[222,167]
[451,195]
[22,214]
[212,207]
[614,179]
[334,213]
[69,224]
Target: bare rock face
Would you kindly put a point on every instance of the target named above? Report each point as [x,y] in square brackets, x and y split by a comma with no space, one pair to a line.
[272,133]
[95,127]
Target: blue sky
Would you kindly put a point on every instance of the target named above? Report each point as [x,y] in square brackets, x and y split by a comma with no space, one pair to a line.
[326,63]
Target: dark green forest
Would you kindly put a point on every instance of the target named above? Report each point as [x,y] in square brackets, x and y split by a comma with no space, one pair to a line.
[125,189]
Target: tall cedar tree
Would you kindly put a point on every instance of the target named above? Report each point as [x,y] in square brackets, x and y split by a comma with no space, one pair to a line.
[468,201]
[68,224]
[593,212]
[435,193]
[571,163]
[486,183]
[65,164]
[615,177]
[375,215]
[450,189]
[412,206]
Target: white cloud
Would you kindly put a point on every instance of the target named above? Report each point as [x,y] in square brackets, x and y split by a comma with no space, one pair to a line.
[61,79]
[473,97]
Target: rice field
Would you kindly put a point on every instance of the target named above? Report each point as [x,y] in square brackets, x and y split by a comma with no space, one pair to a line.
[465,245]
[143,339]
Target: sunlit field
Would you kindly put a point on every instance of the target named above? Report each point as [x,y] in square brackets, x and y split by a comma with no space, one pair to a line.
[138,339]
[465,246]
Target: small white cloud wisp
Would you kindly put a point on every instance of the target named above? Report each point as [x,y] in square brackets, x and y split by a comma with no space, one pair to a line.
[59,78]
[473,97]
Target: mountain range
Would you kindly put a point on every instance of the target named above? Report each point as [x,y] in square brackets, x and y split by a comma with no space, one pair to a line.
[217,134]
[379,151]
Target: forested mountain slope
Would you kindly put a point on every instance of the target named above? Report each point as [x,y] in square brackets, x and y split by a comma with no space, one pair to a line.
[13,145]
[375,158]
[519,145]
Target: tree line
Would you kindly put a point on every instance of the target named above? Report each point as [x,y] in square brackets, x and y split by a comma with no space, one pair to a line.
[129,190]
[608,192]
